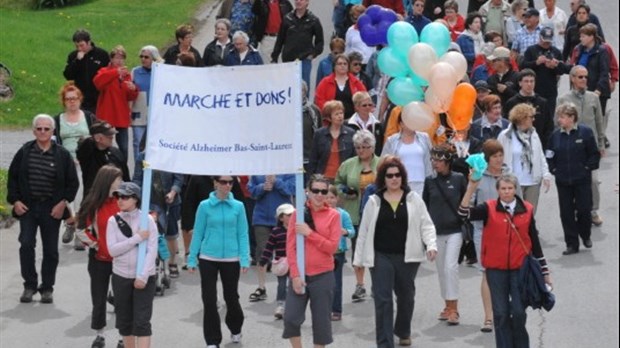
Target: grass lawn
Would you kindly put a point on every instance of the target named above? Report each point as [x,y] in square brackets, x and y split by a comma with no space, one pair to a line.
[4,206]
[34,44]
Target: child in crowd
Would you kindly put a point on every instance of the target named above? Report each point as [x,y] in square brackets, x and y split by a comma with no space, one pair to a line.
[277,243]
[339,258]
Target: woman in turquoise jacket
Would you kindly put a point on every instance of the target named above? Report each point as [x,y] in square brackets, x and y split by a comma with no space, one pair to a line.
[220,245]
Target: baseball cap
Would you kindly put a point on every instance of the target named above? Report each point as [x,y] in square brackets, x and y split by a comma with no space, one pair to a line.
[284,209]
[499,53]
[487,49]
[482,85]
[546,34]
[102,127]
[128,188]
[531,12]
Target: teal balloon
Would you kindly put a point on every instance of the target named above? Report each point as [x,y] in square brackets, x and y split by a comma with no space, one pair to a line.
[403,91]
[436,35]
[391,64]
[401,36]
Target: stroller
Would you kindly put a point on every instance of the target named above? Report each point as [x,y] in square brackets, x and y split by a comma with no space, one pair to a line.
[162,272]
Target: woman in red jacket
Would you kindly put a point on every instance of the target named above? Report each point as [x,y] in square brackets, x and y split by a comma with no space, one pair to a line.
[95,210]
[340,85]
[116,90]
[508,235]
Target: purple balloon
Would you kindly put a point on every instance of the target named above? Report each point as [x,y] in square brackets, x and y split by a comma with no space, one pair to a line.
[373,12]
[363,21]
[388,16]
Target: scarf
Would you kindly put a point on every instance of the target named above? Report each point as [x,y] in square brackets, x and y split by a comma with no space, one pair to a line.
[525,138]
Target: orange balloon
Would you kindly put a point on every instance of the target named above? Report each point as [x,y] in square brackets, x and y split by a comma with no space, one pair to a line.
[462,108]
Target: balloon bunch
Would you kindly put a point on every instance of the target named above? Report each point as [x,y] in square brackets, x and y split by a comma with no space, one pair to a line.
[425,75]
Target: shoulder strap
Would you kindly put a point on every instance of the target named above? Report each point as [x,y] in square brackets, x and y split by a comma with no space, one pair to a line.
[445,197]
[123,226]
[514,228]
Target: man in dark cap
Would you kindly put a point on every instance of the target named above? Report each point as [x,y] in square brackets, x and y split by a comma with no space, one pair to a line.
[546,61]
[528,34]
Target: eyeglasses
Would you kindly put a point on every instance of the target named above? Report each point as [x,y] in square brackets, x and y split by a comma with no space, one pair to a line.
[363,147]
[356,64]
[145,57]
[392,175]
[367,105]
[43,129]
[581,77]
[225,182]
[316,191]
[72,98]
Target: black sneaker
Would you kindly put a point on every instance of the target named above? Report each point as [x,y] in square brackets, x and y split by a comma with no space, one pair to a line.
[120,344]
[607,144]
[99,342]
[26,296]
[47,297]
[359,294]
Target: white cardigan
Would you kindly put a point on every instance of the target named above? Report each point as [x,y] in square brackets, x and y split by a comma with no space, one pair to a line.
[540,168]
[421,235]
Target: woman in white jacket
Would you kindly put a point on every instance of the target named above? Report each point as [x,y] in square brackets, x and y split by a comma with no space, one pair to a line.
[393,234]
[523,153]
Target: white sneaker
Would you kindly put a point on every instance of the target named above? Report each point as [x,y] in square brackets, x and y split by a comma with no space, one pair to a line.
[212,346]
[236,338]
[279,313]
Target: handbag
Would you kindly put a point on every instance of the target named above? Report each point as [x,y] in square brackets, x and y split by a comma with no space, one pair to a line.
[467,229]
[532,286]
[279,267]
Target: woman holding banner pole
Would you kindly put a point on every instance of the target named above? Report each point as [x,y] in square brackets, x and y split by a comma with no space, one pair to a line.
[322,233]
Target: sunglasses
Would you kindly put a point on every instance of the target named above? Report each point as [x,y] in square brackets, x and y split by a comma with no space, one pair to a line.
[225,182]
[43,129]
[440,157]
[367,105]
[392,175]
[581,77]
[365,147]
[145,57]
[316,191]
[356,64]
[124,197]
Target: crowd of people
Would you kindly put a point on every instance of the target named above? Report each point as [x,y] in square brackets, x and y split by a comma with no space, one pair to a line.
[401,196]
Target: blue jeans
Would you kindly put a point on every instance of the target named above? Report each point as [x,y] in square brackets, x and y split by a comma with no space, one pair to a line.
[122,140]
[138,133]
[38,216]
[392,275]
[509,315]
[306,67]
[339,260]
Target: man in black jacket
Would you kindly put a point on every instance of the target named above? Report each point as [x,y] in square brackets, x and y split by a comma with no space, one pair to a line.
[268,16]
[546,61]
[543,120]
[82,66]
[42,180]
[96,151]
[300,37]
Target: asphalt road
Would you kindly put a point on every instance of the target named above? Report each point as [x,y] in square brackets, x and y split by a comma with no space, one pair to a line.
[586,284]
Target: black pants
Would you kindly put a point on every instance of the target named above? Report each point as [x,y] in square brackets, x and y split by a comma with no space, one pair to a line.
[38,216]
[575,211]
[133,307]
[100,273]
[229,272]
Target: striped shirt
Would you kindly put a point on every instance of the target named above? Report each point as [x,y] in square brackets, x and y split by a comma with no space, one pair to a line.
[41,173]
[277,243]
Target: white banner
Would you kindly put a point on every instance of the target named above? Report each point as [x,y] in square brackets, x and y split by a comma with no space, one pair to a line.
[243,120]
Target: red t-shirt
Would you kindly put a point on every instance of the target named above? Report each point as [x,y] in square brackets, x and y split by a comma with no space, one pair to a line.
[274,20]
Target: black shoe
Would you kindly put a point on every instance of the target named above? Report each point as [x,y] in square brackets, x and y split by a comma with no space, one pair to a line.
[120,344]
[26,296]
[607,144]
[99,342]
[47,297]
[570,251]
[587,243]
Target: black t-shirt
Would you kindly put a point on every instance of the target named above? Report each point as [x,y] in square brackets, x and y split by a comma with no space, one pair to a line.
[391,227]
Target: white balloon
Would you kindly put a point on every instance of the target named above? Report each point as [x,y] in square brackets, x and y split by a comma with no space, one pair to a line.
[458,62]
[442,80]
[437,105]
[418,116]
[422,57]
